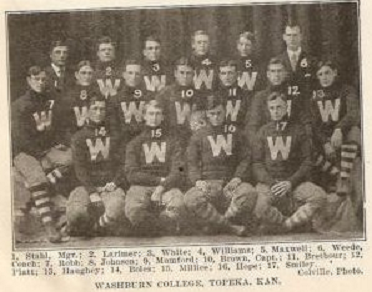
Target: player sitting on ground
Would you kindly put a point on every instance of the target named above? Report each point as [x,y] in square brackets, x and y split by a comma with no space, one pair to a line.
[281,165]
[218,162]
[37,152]
[97,207]
[155,171]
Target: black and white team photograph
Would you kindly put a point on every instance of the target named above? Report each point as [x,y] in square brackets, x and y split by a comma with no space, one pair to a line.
[186,125]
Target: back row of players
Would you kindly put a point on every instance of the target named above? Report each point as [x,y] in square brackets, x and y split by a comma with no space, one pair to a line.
[218,146]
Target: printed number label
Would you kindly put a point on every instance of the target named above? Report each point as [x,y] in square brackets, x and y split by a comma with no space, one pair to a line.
[83,95]
[187,93]
[156,133]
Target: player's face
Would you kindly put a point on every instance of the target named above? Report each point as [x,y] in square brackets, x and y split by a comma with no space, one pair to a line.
[132,75]
[97,111]
[292,37]
[277,109]
[184,75]
[84,76]
[37,82]
[106,52]
[326,76]
[245,47]
[152,51]
[200,45]
[216,116]
[276,74]
[228,75]
[153,116]
[59,55]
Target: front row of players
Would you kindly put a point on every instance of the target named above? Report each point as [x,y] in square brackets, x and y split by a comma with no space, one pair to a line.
[154,185]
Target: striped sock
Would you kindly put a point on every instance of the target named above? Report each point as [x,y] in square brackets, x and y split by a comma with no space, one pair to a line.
[42,201]
[54,176]
[300,217]
[348,155]
[326,166]
[105,221]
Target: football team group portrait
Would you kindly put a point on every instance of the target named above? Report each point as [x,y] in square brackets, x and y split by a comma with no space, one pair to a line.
[242,121]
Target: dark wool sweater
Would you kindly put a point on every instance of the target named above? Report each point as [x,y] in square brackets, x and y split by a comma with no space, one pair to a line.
[153,155]
[252,75]
[156,75]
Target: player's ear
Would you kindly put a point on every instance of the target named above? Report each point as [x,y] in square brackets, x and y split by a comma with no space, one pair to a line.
[28,79]
[76,75]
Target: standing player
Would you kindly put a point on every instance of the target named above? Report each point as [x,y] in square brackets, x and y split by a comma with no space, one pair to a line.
[218,166]
[234,99]
[181,100]
[336,117]
[97,205]
[127,106]
[154,168]
[36,151]
[250,75]
[76,101]
[281,165]
[156,73]
[107,73]
[203,62]
[297,104]
[58,74]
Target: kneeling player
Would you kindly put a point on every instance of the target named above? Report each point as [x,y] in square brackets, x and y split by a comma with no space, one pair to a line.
[98,205]
[154,168]
[281,163]
[218,161]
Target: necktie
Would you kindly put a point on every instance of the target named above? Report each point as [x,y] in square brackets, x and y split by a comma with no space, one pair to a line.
[293,61]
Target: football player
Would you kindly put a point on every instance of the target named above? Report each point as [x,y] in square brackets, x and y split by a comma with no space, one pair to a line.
[282,163]
[107,73]
[156,73]
[155,170]
[37,153]
[250,75]
[218,166]
[97,206]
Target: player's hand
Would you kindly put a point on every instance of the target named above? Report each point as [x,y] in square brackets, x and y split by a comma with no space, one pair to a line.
[97,204]
[110,187]
[157,194]
[202,185]
[336,139]
[233,184]
[329,151]
[281,188]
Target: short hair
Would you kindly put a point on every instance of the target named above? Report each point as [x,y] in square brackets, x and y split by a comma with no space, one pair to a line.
[57,43]
[247,35]
[275,96]
[276,61]
[198,32]
[82,64]
[229,63]
[151,38]
[96,96]
[154,103]
[105,40]
[326,62]
[213,101]
[34,70]
[292,23]
[131,62]
[183,61]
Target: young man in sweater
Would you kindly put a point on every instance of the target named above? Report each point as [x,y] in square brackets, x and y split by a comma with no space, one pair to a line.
[281,165]
[37,153]
[98,204]
[155,170]
[218,166]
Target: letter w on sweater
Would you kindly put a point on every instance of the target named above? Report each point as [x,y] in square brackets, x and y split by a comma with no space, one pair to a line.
[328,110]
[279,146]
[232,110]
[132,110]
[221,143]
[43,120]
[155,151]
[155,82]
[203,78]
[81,115]
[183,112]
[99,147]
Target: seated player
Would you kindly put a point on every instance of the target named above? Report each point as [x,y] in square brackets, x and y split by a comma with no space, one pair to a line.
[298,105]
[126,108]
[249,69]
[76,101]
[97,206]
[37,153]
[281,165]
[156,72]
[181,100]
[234,99]
[218,157]
[154,168]
[337,138]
